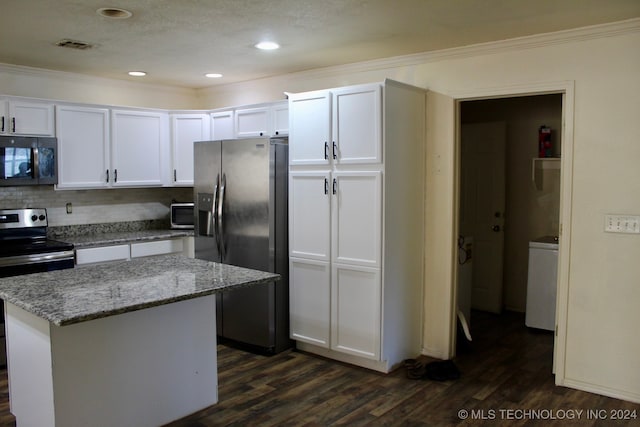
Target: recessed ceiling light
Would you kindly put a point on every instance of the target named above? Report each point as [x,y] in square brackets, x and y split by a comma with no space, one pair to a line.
[267,45]
[114,13]
[213,75]
[137,73]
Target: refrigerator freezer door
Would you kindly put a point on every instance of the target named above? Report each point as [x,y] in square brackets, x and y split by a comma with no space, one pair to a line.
[206,188]
[244,230]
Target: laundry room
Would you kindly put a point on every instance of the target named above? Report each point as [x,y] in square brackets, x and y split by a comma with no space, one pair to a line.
[510,184]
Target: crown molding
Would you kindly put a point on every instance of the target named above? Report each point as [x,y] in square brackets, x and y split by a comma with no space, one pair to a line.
[88,79]
[613,29]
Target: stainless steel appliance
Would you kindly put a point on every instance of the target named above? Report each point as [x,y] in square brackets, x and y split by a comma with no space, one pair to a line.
[24,249]
[28,160]
[240,191]
[182,215]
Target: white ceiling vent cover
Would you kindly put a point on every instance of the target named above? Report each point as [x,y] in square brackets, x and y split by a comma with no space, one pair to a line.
[74,44]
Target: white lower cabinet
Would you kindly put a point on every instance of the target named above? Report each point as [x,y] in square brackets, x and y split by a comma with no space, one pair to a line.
[125,252]
[309,294]
[157,247]
[355,314]
[102,254]
[356,215]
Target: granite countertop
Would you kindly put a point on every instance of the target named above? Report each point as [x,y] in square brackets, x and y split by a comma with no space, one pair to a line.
[65,297]
[120,237]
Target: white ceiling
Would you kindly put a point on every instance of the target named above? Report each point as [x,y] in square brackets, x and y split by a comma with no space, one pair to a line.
[177,41]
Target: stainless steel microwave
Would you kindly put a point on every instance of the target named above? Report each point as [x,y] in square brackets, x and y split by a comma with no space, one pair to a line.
[182,215]
[26,160]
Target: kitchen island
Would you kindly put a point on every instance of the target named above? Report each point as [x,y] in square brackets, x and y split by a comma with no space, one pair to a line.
[128,343]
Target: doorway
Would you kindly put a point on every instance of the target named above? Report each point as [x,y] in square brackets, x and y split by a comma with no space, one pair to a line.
[505,199]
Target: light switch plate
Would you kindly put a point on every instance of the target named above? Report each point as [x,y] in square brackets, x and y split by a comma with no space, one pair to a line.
[622,224]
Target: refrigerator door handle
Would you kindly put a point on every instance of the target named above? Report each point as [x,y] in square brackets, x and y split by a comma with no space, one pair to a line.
[214,219]
[221,217]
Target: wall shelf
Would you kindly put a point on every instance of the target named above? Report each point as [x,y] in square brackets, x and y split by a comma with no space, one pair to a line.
[538,164]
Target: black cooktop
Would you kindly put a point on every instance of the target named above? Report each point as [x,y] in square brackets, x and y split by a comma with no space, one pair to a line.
[16,247]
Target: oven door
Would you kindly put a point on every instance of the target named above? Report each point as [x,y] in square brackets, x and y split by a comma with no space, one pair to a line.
[27,264]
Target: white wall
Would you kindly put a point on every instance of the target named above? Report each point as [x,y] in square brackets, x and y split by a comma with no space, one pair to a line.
[599,340]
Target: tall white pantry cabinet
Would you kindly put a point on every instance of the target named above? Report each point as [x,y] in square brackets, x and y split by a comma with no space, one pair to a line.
[356,215]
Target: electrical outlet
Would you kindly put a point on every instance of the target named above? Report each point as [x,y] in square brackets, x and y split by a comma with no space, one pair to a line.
[622,224]
[69,208]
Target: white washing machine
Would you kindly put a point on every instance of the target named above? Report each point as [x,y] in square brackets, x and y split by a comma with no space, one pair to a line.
[542,283]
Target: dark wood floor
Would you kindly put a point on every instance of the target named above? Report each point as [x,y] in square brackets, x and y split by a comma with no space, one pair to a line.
[505,372]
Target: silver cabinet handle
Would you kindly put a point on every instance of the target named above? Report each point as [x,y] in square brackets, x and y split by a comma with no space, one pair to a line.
[107,176]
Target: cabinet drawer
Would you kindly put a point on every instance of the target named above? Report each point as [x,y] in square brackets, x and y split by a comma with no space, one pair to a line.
[102,254]
[158,247]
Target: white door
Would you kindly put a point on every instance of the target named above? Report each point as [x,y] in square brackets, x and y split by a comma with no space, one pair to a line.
[355,310]
[357,125]
[357,217]
[31,118]
[83,146]
[186,129]
[310,128]
[482,208]
[138,147]
[222,125]
[309,301]
[310,215]
[252,122]
[280,119]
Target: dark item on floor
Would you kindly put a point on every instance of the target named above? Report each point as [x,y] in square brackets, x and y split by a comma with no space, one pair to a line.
[438,371]
[442,370]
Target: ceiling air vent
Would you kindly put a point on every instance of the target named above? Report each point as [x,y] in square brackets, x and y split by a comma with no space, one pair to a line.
[74,44]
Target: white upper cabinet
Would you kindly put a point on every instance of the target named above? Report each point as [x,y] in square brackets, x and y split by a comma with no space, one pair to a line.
[139,148]
[223,125]
[337,126]
[253,122]
[280,119]
[83,146]
[357,125]
[185,130]
[310,128]
[22,117]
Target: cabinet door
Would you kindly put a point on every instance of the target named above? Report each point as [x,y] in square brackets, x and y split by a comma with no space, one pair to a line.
[357,124]
[186,129]
[139,147]
[222,125]
[355,310]
[83,146]
[309,302]
[280,119]
[252,122]
[357,218]
[310,128]
[31,118]
[309,215]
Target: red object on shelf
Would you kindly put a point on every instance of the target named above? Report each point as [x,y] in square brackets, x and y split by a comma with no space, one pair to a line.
[544,142]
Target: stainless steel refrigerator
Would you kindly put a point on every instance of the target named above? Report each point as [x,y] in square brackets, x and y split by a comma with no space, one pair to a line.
[240,195]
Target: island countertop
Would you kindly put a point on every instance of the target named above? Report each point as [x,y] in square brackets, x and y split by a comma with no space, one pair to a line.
[65,297]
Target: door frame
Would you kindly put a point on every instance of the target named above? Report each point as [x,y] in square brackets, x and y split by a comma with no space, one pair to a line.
[567,90]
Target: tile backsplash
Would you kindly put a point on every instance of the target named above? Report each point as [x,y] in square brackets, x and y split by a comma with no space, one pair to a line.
[95,206]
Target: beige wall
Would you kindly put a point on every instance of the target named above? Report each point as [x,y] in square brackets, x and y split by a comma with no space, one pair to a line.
[598,341]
